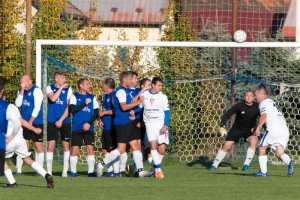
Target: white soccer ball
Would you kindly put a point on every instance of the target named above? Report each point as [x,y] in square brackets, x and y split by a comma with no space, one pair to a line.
[240,36]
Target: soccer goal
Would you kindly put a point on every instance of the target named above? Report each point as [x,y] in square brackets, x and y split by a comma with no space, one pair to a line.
[200,79]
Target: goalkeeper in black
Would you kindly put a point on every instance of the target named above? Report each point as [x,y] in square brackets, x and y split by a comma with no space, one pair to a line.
[246,114]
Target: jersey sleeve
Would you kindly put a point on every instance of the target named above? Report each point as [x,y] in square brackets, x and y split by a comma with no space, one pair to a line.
[70,92]
[19,99]
[38,100]
[13,115]
[95,103]
[48,90]
[165,102]
[121,95]
[73,100]
[263,107]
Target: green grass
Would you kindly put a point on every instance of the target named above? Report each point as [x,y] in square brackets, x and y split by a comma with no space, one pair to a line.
[182,181]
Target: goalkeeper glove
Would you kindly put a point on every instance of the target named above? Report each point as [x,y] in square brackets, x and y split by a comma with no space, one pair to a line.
[222,131]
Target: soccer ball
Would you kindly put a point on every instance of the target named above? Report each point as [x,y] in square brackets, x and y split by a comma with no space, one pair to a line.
[240,36]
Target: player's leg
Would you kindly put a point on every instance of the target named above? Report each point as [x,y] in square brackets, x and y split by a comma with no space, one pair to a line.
[252,140]
[2,162]
[262,159]
[38,143]
[77,138]
[65,132]
[10,178]
[122,161]
[284,157]
[89,140]
[105,151]
[221,154]
[52,136]
[122,135]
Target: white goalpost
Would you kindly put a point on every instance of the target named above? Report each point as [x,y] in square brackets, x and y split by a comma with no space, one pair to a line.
[198,80]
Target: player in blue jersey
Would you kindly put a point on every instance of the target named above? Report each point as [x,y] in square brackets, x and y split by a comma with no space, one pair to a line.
[10,126]
[124,128]
[58,119]
[106,122]
[30,100]
[85,110]
[132,92]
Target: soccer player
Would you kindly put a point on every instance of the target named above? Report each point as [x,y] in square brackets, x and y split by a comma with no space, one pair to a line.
[106,122]
[124,128]
[132,92]
[156,116]
[85,110]
[58,119]
[30,99]
[11,122]
[276,135]
[246,114]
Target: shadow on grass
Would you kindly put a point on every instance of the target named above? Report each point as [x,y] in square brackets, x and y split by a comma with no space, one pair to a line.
[202,161]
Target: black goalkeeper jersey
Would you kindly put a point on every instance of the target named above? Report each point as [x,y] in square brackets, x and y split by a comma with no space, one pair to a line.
[246,116]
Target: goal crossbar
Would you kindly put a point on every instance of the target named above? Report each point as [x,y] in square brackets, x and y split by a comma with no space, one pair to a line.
[40,43]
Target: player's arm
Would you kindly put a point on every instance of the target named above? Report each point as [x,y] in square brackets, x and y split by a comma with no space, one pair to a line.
[262,120]
[134,99]
[106,112]
[87,125]
[13,115]
[19,100]
[38,100]
[167,114]
[29,126]
[121,95]
[75,108]
[66,112]
[228,114]
[96,111]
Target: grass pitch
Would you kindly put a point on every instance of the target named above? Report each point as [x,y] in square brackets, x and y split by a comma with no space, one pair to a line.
[181,181]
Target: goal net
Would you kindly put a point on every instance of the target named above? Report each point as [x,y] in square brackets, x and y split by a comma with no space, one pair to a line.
[201,79]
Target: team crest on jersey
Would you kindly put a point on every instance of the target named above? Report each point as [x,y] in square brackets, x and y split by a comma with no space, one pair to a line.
[63,91]
[152,100]
[107,100]
[29,94]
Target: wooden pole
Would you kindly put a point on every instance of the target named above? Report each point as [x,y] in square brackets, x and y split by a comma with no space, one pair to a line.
[28,37]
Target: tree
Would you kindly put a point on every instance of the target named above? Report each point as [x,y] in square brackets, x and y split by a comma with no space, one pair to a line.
[12,45]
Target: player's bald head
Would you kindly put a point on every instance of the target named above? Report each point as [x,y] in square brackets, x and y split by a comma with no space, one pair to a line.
[25,78]
[261,90]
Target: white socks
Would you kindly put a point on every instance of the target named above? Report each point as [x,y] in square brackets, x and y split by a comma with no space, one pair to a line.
[40,158]
[9,176]
[220,156]
[249,156]
[36,166]
[138,159]
[91,163]
[19,163]
[73,163]
[263,163]
[49,161]
[109,165]
[66,162]
[123,161]
[285,158]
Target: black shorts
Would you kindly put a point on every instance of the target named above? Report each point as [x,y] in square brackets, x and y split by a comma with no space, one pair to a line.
[53,132]
[79,136]
[30,135]
[2,161]
[137,130]
[109,140]
[126,133]
[143,133]
[235,134]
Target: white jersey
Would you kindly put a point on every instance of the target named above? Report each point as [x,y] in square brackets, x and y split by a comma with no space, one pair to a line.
[274,114]
[10,129]
[154,106]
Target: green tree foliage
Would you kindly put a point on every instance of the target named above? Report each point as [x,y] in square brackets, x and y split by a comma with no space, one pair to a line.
[12,45]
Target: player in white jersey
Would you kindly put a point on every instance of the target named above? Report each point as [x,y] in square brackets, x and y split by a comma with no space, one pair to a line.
[276,135]
[156,117]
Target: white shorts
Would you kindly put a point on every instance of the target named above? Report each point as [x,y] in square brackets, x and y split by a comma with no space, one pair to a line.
[275,136]
[153,133]
[18,146]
